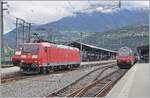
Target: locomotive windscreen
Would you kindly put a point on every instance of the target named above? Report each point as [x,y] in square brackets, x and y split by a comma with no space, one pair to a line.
[124,51]
[30,48]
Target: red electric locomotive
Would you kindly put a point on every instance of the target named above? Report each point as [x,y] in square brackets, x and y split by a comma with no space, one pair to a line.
[125,58]
[16,58]
[43,57]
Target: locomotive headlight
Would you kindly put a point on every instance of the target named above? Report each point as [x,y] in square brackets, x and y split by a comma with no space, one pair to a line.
[18,53]
[23,56]
[35,56]
[22,60]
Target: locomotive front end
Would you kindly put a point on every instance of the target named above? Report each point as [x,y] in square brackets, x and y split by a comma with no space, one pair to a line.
[125,58]
[30,59]
[16,57]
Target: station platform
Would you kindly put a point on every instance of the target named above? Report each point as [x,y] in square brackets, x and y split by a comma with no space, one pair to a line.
[9,71]
[135,83]
[14,70]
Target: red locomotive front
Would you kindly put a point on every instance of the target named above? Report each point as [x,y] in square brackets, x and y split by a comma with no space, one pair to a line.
[43,57]
[125,58]
[16,58]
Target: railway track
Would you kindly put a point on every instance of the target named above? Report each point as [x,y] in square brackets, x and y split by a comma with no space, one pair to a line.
[76,86]
[100,87]
[20,76]
[15,78]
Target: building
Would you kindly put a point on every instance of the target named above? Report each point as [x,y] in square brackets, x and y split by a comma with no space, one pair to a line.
[93,53]
[143,52]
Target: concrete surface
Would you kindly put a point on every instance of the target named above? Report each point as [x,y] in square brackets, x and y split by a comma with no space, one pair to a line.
[135,83]
[10,69]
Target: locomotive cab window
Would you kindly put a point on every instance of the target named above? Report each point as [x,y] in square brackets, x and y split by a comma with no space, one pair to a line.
[30,48]
[124,53]
[18,52]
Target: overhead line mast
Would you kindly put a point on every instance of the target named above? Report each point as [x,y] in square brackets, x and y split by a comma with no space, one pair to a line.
[2,29]
[24,37]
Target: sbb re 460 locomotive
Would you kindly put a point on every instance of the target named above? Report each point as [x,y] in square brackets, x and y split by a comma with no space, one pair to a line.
[126,58]
[43,57]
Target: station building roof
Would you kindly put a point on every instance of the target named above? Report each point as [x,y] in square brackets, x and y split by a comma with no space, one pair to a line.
[143,47]
[87,46]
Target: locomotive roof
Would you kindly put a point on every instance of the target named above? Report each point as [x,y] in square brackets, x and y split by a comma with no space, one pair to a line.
[125,48]
[46,44]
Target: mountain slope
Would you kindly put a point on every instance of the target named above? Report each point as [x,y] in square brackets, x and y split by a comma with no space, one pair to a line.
[132,37]
[68,28]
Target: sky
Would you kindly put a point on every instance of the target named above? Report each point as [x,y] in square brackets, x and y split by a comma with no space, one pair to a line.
[41,12]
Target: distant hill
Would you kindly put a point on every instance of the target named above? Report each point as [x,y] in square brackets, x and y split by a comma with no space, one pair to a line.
[131,36]
[68,28]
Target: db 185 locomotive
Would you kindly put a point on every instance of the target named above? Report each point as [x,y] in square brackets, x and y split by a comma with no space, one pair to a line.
[125,58]
[43,57]
[16,58]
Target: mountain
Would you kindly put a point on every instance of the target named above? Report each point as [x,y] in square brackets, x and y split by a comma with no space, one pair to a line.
[98,21]
[131,36]
[68,28]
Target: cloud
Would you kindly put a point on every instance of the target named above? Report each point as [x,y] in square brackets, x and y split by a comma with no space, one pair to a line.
[35,12]
[133,5]
[105,7]
[41,12]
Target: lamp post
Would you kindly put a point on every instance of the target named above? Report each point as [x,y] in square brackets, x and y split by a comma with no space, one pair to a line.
[2,29]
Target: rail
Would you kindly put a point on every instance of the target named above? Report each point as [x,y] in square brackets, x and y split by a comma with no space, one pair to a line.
[64,90]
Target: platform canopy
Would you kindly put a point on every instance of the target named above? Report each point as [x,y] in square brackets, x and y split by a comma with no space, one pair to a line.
[93,53]
[89,47]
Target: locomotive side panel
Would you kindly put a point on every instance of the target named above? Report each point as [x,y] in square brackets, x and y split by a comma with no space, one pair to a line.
[63,56]
[75,56]
[57,55]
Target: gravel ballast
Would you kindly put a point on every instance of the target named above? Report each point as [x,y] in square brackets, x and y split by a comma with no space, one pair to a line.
[41,86]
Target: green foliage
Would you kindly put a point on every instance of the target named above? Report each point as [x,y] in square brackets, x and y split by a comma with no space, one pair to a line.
[9,54]
[132,37]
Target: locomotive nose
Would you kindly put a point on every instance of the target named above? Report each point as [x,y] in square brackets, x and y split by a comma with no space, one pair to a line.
[123,59]
[29,58]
